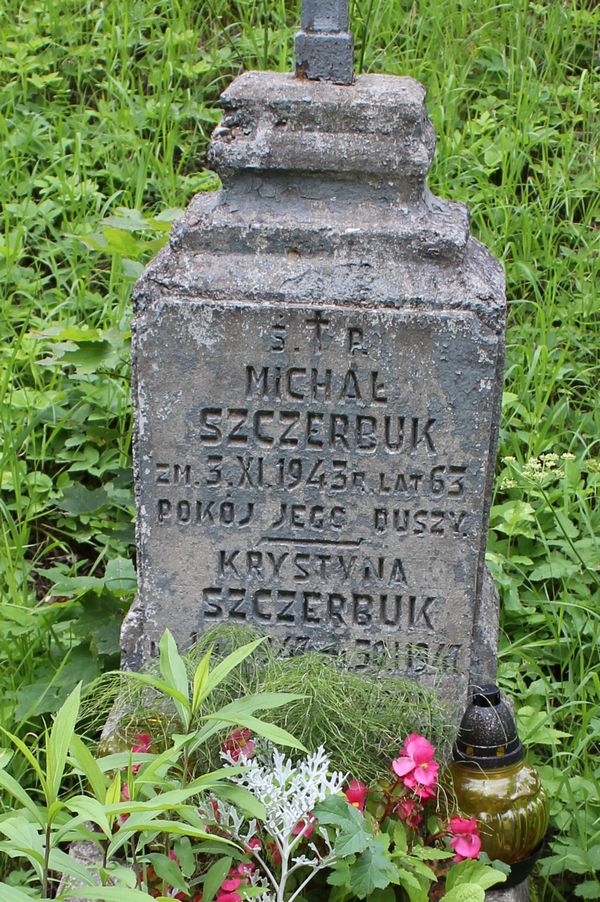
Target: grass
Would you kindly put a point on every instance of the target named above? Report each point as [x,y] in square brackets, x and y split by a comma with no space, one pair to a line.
[105,111]
[389,709]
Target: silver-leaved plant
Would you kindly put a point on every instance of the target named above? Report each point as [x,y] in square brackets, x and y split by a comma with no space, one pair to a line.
[289,792]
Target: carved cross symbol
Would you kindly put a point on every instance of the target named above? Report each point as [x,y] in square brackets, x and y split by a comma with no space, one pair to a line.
[324,47]
[318,321]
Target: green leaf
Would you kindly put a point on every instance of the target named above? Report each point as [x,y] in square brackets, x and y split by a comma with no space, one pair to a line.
[200,680]
[78,500]
[29,756]
[383,895]
[465,892]
[353,835]
[372,870]
[58,741]
[87,764]
[160,685]
[168,870]
[16,790]
[243,799]
[276,734]
[558,567]
[214,877]
[13,894]
[589,889]
[473,872]
[185,856]
[91,810]
[66,864]
[224,668]
[114,894]
[120,575]
[175,675]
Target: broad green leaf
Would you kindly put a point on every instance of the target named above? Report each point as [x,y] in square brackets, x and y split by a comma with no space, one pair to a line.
[243,799]
[589,889]
[383,895]
[92,810]
[465,892]
[175,675]
[63,863]
[168,870]
[558,567]
[224,668]
[276,734]
[160,685]
[200,680]
[24,840]
[58,741]
[87,764]
[13,894]
[261,701]
[16,790]
[353,835]
[372,870]
[134,824]
[476,872]
[114,894]
[155,769]
[214,877]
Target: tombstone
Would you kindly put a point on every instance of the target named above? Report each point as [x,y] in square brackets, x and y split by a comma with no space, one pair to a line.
[317,382]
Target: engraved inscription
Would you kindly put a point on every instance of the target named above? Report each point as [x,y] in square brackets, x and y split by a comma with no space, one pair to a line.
[311,477]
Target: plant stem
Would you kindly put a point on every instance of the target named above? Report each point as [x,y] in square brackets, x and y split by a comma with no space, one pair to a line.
[46,861]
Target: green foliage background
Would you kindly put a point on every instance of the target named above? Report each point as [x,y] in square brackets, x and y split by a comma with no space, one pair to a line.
[105,111]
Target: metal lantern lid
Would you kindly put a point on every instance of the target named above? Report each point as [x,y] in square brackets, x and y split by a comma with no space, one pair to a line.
[487,736]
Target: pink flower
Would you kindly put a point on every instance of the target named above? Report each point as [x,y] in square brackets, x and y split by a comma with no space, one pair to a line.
[356,793]
[408,810]
[416,766]
[230,884]
[228,897]
[142,743]
[125,797]
[239,745]
[274,852]
[245,868]
[465,842]
[304,827]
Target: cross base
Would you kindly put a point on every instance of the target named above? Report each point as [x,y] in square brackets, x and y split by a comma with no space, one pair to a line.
[325,56]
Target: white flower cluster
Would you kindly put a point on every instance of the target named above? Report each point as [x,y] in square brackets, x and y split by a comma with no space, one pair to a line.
[290,791]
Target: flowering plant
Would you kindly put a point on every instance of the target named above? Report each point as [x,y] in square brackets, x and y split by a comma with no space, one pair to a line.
[325,838]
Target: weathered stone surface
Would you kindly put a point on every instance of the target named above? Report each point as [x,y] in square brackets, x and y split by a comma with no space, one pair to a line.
[318,358]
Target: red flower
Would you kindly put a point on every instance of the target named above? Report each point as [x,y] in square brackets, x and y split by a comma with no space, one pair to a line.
[304,827]
[356,793]
[408,810]
[416,766]
[465,842]
[238,744]
[230,884]
[228,897]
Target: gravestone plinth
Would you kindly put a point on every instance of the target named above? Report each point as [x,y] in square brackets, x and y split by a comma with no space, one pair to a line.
[318,363]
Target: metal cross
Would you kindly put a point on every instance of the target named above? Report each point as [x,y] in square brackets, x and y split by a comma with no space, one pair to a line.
[324,46]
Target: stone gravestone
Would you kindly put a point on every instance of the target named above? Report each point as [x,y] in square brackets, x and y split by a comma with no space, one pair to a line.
[318,364]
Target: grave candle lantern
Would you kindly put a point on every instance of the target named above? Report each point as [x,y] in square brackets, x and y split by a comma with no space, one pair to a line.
[493,784]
